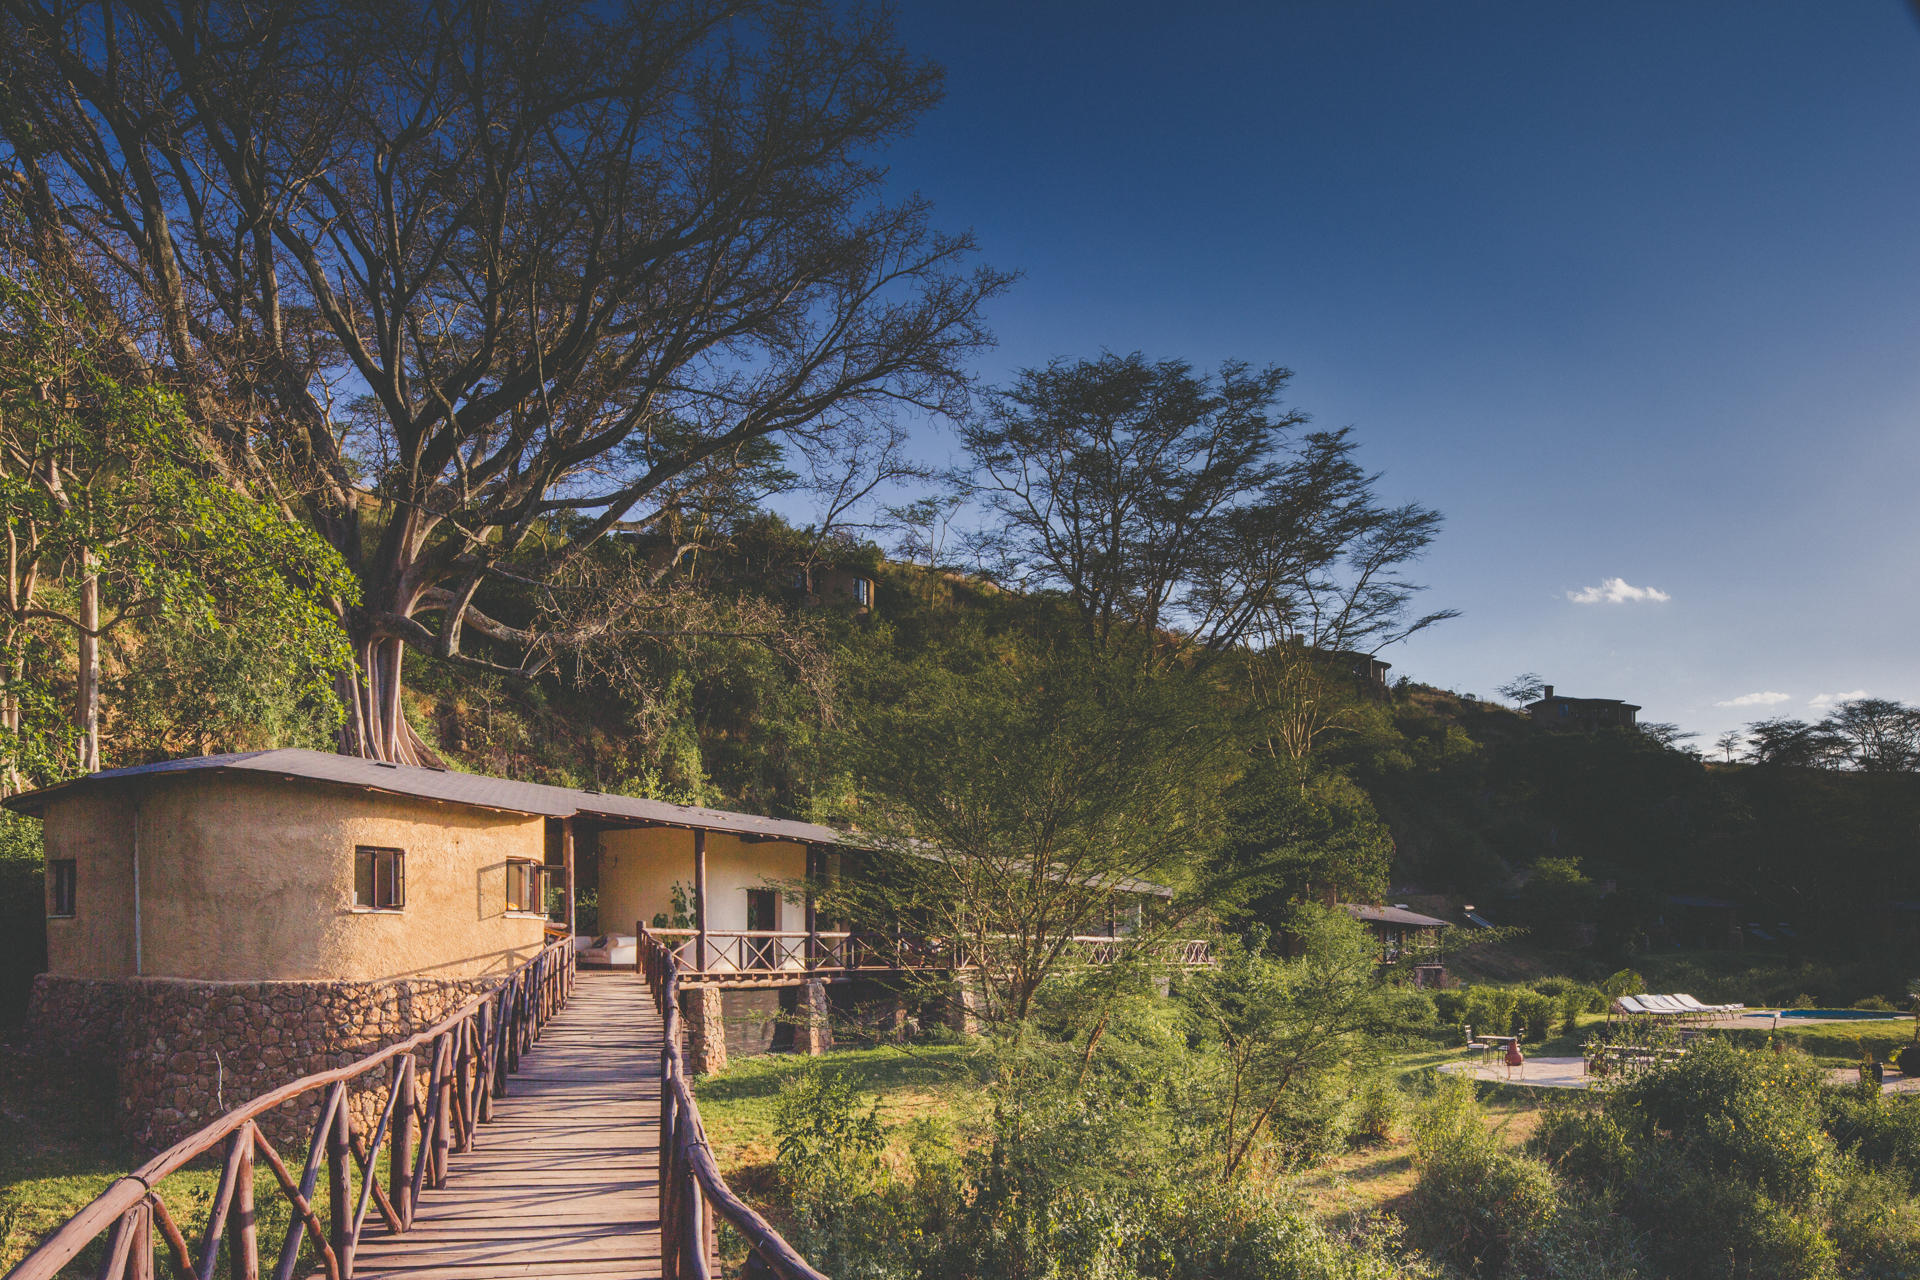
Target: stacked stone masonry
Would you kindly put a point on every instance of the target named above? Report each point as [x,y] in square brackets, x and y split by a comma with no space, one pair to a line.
[183,1052]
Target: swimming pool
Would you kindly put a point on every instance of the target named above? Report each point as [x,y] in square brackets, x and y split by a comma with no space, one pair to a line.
[1838,1014]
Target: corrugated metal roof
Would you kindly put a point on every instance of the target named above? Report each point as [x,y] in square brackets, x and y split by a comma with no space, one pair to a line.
[1393,915]
[478,790]
[475,789]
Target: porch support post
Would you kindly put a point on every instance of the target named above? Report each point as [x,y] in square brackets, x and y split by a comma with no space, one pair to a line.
[813,919]
[700,900]
[566,855]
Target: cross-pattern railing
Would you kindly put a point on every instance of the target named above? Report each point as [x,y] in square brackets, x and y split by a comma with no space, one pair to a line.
[744,954]
[468,1057]
[692,1191]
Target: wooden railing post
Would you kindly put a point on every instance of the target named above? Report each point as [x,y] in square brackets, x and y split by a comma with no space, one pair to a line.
[243,1236]
[462,1059]
[141,1264]
[669,1192]
[400,1155]
[442,1108]
[812,913]
[483,1070]
[498,1016]
[339,1188]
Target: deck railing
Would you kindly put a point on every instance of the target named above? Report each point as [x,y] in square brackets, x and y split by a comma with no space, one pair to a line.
[469,1056]
[692,1191]
[737,955]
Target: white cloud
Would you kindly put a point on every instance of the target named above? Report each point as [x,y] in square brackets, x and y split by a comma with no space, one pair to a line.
[1617,591]
[1765,698]
[1828,699]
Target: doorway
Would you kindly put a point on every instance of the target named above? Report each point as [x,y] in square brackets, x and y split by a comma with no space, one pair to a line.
[763,914]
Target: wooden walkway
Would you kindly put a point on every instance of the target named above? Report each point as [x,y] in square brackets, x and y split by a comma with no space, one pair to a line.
[562,1183]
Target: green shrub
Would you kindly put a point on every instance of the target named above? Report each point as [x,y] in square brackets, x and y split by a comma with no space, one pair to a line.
[1489,1010]
[829,1144]
[1624,983]
[1909,1060]
[1881,1132]
[1879,1004]
[1378,1110]
[1533,1015]
[1576,1000]
[1582,1142]
[1475,1206]
[1736,1114]
[1876,1226]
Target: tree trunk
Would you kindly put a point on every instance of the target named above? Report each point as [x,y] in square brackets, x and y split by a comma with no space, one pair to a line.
[10,717]
[376,727]
[87,709]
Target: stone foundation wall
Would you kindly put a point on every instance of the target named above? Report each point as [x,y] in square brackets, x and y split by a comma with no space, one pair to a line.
[185,1052]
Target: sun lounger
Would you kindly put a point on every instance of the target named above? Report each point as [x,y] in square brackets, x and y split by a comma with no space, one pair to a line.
[1630,1006]
[1666,1006]
[1706,1010]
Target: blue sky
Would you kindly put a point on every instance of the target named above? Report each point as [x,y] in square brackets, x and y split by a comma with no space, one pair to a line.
[1628,291]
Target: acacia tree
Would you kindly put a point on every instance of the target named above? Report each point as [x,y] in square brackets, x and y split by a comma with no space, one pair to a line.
[447,273]
[1159,499]
[1013,798]
[1878,735]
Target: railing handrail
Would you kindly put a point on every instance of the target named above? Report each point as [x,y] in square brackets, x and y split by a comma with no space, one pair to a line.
[664,932]
[127,1192]
[684,1150]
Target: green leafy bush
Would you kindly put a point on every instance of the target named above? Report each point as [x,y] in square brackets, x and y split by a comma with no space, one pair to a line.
[1379,1108]
[1489,1010]
[1476,1206]
[1879,1131]
[1533,1015]
[1624,983]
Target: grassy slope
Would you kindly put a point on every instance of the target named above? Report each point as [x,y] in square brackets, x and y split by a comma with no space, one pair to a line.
[910,1084]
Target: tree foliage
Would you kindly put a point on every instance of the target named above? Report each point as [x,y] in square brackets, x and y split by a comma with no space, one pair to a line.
[1158,499]
[116,515]
[442,275]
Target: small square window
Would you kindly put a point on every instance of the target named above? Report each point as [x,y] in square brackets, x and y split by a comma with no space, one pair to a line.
[62,878]
[526,887]
[379,879]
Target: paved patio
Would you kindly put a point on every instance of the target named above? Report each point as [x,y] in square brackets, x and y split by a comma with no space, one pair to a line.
[1544,1073]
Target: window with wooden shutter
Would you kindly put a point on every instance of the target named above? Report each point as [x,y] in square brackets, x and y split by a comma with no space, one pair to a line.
[62,881]
[526,887]
[379,878]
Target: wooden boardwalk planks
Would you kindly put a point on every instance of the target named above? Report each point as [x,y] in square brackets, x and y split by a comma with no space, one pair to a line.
[562,1182]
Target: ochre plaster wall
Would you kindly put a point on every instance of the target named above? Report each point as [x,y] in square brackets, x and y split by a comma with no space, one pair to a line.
[251,879]
[638,869]
[96,831]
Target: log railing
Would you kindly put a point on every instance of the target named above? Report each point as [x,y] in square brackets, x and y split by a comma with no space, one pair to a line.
[468,1057]
[692,1192]
[739,954]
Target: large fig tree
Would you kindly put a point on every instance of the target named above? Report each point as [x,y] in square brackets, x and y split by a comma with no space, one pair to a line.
[452,273]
